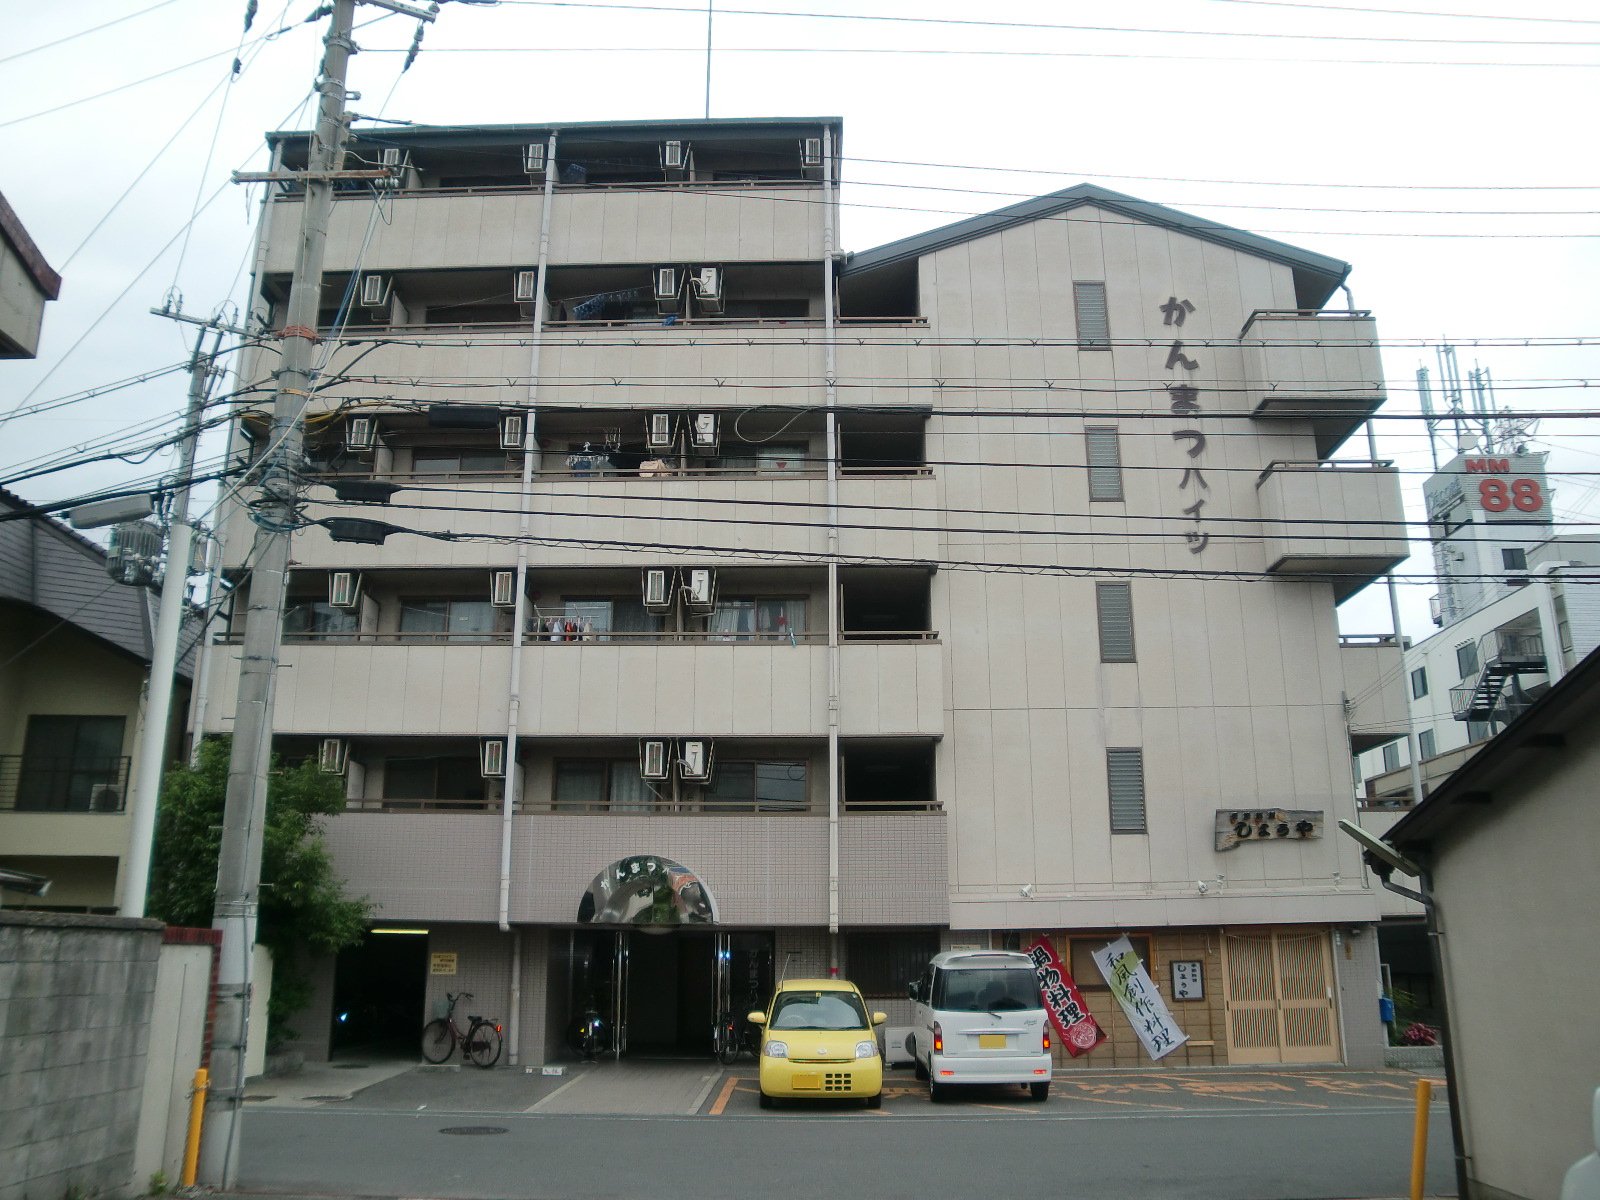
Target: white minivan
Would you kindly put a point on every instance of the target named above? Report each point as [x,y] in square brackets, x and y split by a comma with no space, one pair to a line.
[979,1019]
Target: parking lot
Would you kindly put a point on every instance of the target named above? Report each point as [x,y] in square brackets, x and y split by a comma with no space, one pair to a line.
[679,1087]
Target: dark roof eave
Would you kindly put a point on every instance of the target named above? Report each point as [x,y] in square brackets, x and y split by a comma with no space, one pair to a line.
[478,133]
[32,258]
[1317,276]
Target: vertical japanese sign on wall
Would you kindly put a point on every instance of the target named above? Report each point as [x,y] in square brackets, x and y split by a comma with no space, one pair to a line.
[1147,1012]
[1080,1032]
[1185,403]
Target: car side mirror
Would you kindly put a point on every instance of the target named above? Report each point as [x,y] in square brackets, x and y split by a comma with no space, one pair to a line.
[879,1018]
[756,1018]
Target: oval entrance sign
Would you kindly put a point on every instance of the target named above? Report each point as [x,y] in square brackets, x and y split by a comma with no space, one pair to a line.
[647,889]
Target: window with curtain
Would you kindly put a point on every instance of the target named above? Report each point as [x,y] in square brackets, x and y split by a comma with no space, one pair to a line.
[598,616]
[758,618]
[769,456]
[601,785]
[317,618]
[459,620]
[458,461]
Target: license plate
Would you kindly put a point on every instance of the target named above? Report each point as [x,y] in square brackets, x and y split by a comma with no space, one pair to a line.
[808,1080]
[991,1041]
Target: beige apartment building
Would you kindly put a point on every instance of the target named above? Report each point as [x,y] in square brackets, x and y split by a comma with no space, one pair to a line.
[750,608]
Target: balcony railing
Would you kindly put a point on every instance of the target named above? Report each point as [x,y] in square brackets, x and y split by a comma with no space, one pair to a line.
[33,783]
[546,637]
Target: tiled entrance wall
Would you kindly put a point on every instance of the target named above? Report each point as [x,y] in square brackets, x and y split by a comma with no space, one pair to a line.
[1203,1020]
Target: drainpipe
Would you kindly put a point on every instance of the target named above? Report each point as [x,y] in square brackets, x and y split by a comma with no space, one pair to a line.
[519,612]
[830,377]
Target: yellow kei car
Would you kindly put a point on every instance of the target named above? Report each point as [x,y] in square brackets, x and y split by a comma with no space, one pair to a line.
[819,1041]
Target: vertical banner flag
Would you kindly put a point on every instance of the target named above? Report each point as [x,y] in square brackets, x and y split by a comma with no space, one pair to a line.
[1146,1011]
[1080,1032]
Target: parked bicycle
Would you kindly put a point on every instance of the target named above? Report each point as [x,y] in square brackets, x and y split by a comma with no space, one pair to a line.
[480,1044]
[734,1036]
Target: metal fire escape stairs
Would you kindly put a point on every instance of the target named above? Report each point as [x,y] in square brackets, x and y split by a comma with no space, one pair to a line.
[1504,656]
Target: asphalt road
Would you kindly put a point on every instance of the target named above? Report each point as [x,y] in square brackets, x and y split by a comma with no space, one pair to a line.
[1217,1137]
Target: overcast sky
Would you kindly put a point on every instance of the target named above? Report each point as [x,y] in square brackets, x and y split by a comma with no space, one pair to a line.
[1449,156]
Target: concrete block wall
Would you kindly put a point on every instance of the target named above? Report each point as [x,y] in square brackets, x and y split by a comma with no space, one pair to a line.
[76,994]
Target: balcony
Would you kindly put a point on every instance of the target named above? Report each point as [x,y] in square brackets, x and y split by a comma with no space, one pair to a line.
[1320,368]
[1340,522]
[455,228]
[1504,656]
[1374,689]
[394,860]
[617,519]
[29,783]
[379,684]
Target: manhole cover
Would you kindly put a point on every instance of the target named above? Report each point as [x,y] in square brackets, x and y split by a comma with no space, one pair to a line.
[473,1130]
[326,1098]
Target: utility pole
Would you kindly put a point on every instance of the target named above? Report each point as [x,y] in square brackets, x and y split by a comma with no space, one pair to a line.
[239,864]
[169,625]
[244,812]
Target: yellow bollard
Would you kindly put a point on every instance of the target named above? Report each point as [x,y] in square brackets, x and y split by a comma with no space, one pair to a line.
[1419,1138]
[197,1112]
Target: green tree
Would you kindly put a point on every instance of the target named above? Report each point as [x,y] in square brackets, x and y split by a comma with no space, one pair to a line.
[303,905]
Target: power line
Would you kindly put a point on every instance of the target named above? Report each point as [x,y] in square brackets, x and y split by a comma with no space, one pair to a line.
[976,52]
[1038,26]
[1410,12]
[821,557]
[84,32]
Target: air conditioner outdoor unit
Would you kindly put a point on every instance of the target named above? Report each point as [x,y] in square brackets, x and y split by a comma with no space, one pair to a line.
[811,152]
[695,759]
[708,289]
[703,432]
[492,758]
[527,282]
[700,590]
[375,291]
[333,755]
[1435,611]
[660,431]
[533,158]
[658,587]
[511,431]
[666,289]
[503,589]
[344,589]
[653,761]
[360,434]
[675,156]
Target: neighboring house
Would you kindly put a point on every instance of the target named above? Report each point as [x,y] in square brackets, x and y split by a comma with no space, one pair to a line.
[1512,844]
[26,282]
[970,590]
[74,656]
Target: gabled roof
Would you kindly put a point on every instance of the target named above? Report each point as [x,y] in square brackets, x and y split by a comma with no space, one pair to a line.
[1496,775]
[52,569]
[1315,275]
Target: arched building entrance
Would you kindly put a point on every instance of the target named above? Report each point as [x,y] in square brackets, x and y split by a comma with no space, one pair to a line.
[651,964]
